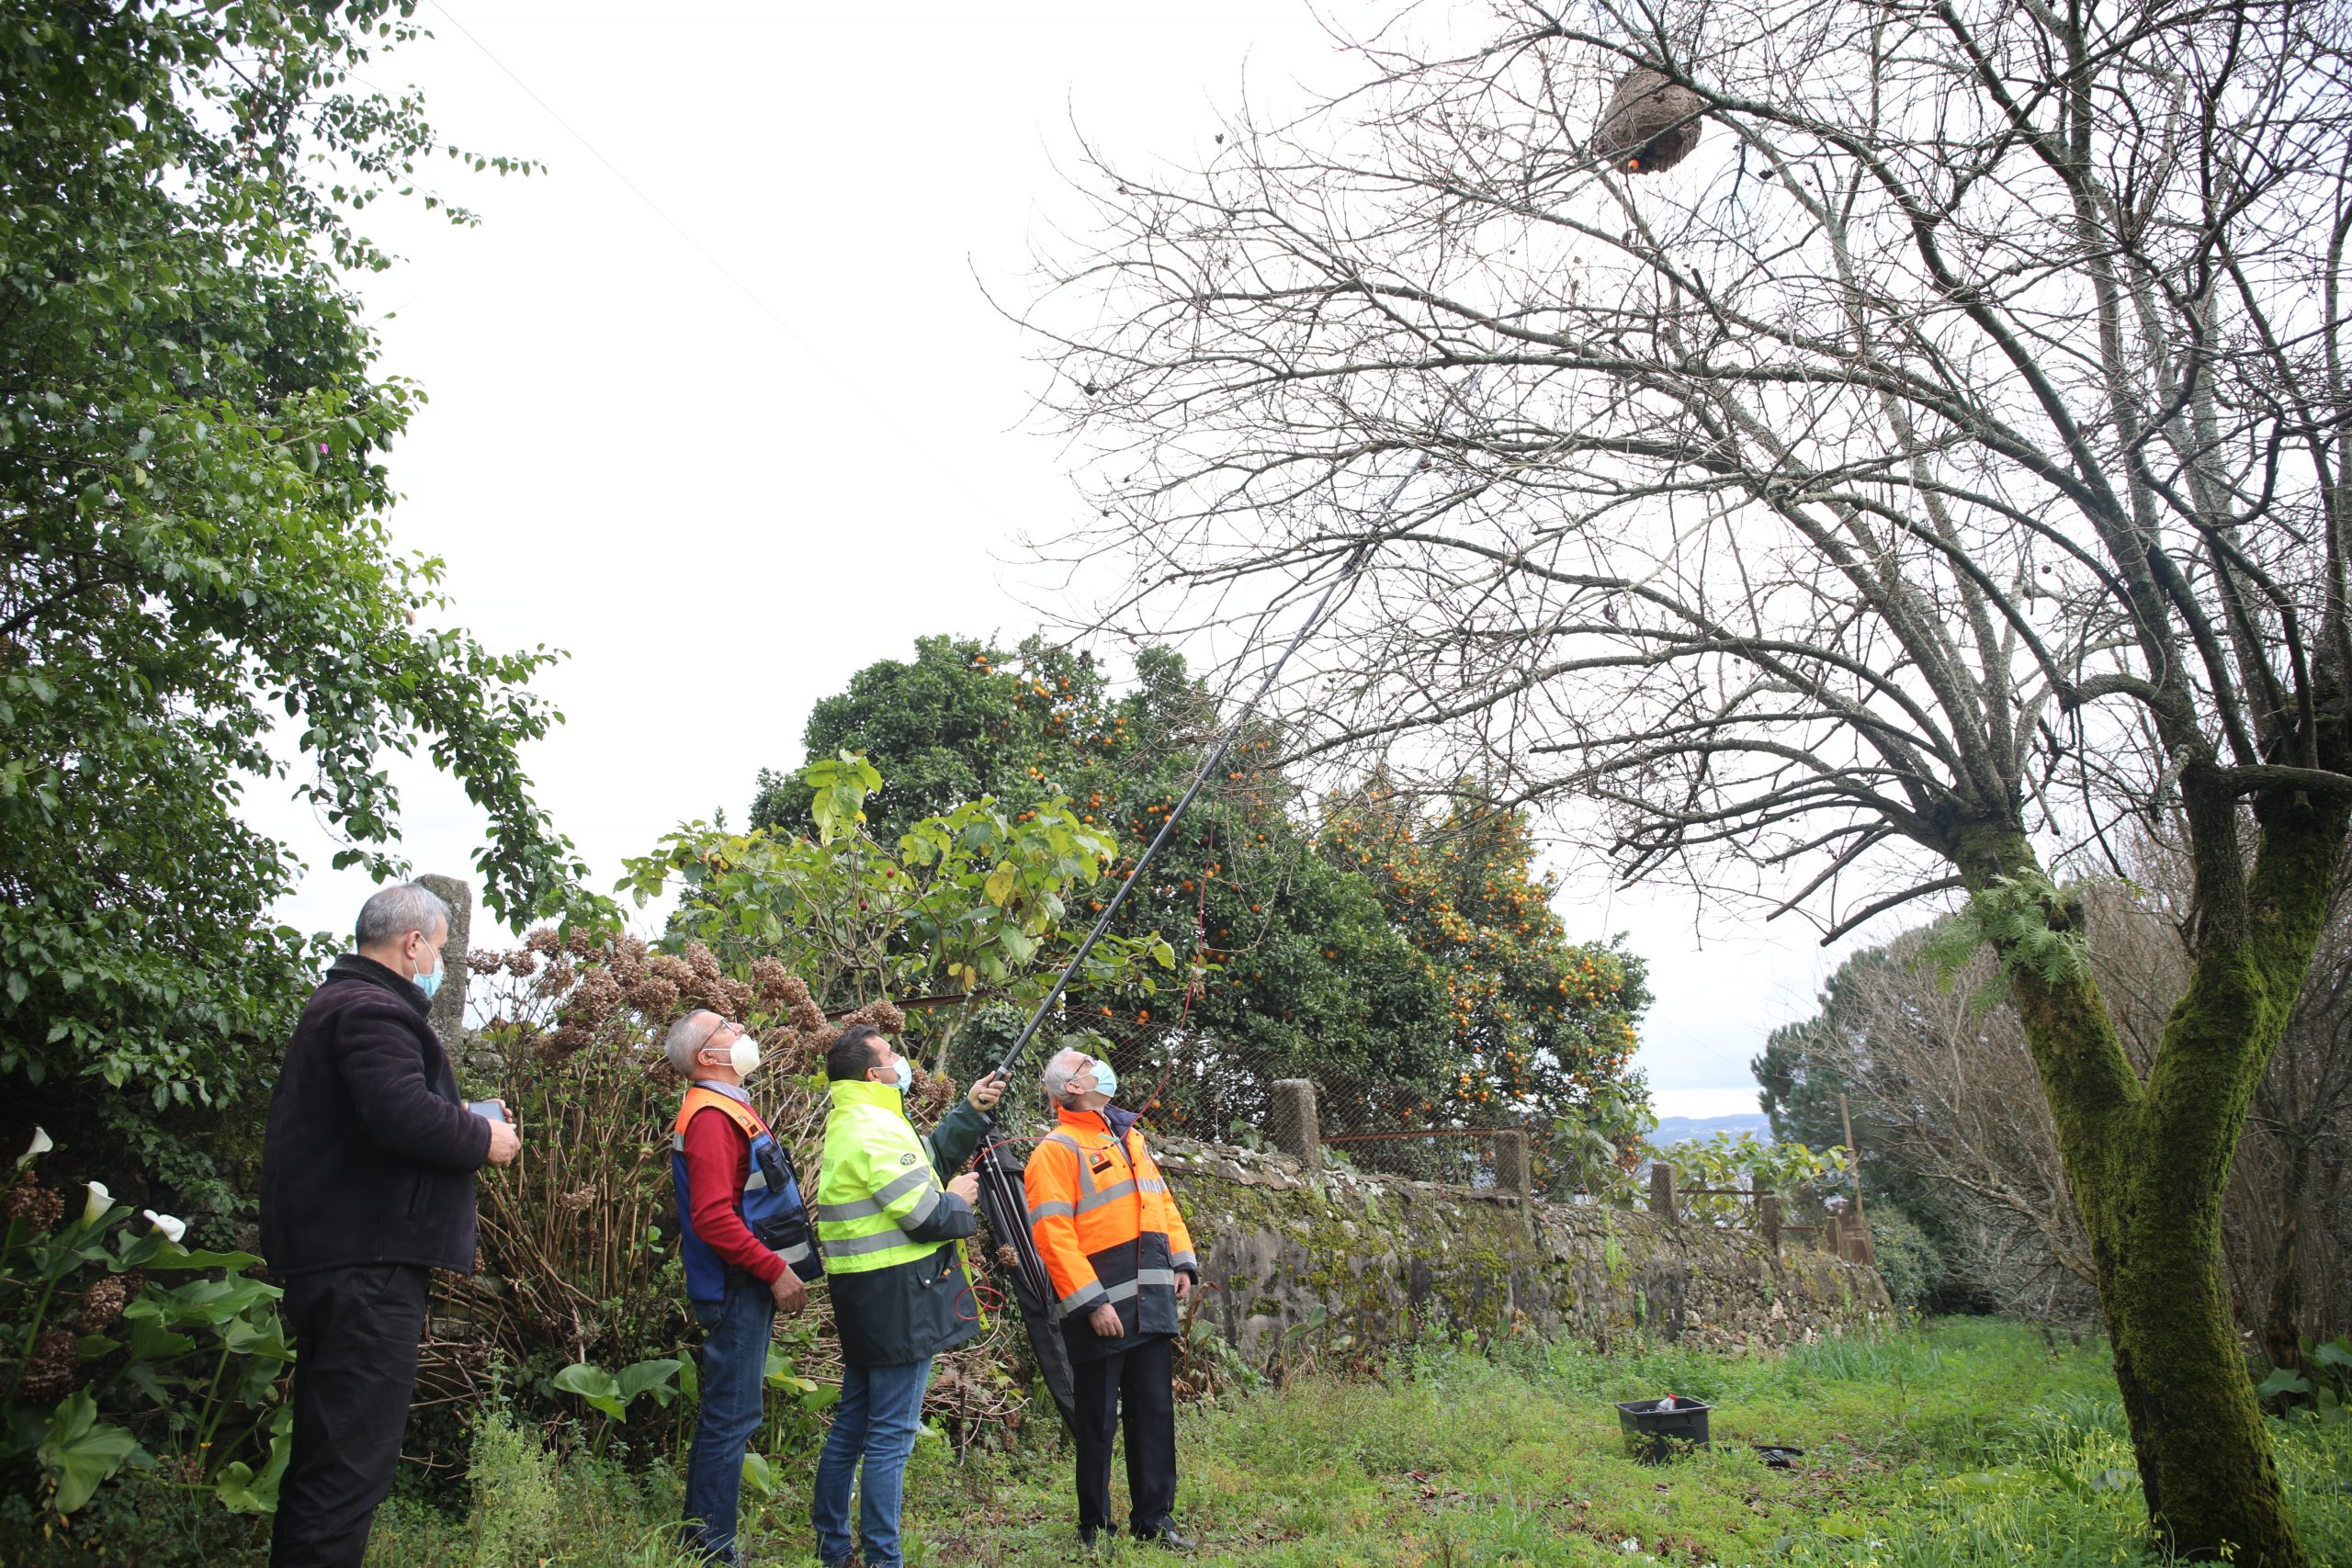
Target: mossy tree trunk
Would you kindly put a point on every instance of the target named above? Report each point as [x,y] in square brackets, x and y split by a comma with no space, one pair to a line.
[2148,1160]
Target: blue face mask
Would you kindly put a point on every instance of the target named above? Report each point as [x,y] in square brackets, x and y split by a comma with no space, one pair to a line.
[906,1076]
[431,983]
[1107,1080]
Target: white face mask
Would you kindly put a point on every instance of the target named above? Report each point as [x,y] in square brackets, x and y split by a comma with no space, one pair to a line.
[743,1055]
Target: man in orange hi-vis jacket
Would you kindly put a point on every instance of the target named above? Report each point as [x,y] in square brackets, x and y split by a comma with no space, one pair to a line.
[1121,1261]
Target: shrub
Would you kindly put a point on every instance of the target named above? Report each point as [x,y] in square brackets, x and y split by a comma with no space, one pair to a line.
[517,1504]
[108,1369]
[1907,1260]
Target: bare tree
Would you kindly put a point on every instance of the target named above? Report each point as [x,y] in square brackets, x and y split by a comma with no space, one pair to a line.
[1945,1093]
[1953,442]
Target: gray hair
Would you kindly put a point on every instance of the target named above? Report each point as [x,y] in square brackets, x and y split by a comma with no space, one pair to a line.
[1061,1067]
[392,912]
[688,1036]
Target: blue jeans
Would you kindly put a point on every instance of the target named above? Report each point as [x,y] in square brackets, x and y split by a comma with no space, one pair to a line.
[879,1412]
[734,1371]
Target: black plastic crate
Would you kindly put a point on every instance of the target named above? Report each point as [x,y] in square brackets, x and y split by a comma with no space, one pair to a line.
[1655,1436]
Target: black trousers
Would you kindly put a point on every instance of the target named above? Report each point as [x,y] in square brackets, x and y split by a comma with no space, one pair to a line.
[355,1333]
[1138,1379]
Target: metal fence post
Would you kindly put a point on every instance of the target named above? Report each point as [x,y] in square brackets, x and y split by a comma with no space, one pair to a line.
[1293,1128]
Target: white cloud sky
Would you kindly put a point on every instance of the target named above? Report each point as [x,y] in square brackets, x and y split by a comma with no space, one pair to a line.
[626,457]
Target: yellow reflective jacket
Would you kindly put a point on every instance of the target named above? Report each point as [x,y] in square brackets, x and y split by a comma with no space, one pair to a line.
[885,1220]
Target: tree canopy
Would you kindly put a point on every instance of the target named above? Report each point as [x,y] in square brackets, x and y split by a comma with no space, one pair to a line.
[198,562]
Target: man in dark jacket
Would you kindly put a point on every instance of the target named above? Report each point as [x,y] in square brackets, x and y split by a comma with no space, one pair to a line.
[888,1225]
[366,1186]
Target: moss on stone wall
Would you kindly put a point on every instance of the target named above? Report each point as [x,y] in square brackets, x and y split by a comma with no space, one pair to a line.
[1388,1261]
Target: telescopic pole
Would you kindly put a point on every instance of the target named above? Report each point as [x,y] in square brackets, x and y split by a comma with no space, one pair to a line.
[1201,776]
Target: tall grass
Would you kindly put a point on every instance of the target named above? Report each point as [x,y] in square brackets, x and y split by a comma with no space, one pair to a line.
[1963,1445]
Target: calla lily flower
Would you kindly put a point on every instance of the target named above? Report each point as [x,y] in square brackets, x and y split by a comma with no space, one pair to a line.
[42,1143]
[171,1225]
[100,1201]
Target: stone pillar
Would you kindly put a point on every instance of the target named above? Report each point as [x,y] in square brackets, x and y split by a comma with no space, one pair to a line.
[449,1001]
[1832,1236]
[1768,1219]
[1511,1172]
[1291,1123]
[1662,1201]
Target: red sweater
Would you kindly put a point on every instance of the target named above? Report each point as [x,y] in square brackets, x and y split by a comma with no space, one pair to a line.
[718,1161]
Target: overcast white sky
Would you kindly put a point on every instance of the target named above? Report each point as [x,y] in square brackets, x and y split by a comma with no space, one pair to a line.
[626,457]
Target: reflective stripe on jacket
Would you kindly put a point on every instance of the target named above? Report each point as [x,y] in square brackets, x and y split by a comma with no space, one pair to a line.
[771,1203]
[1107,1227]
[885,1220]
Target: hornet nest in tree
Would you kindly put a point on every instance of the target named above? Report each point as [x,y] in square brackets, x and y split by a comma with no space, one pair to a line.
[1650,123]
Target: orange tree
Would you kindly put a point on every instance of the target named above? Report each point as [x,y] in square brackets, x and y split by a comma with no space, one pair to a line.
[1539,1024]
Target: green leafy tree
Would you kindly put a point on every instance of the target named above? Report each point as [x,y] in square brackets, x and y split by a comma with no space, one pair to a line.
[978,899]
[1294,952]
[1282,955]
[191,431]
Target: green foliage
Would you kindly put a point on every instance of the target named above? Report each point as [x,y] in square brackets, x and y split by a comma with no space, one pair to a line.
[77,1451]
[611,1394]
[518,1501]
[1794,1171]
[1908,1261]
[2322,1389]
[1392,949]
[109,1369]
[1596,1149]
[1279,951]
[196,553]
[1538,1025]
[977,901]
[2012,916]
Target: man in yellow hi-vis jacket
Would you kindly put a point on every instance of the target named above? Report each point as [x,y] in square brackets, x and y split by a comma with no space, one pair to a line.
[887,1220]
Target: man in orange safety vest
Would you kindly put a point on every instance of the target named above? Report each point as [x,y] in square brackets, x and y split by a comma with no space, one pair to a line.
[1122,1262]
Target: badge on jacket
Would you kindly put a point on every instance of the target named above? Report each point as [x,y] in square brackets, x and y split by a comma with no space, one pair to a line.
[905,1159]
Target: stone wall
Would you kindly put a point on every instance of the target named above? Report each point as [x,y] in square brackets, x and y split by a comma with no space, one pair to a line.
[1388,1261]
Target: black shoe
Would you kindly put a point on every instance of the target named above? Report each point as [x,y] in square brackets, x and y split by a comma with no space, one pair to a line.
[1089,1538]
[1164,1534]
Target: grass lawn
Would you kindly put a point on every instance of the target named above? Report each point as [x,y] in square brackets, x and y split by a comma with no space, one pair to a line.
[1970,1442]
[1967,1442]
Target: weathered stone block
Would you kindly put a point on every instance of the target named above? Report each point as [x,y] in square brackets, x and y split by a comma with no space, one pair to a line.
[1293,1124]
[448,1016]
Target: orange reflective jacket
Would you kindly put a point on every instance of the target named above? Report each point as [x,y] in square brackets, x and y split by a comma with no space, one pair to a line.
[1106,1226]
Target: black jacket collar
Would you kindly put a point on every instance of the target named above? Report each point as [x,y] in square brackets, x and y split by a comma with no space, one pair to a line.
[351,967]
